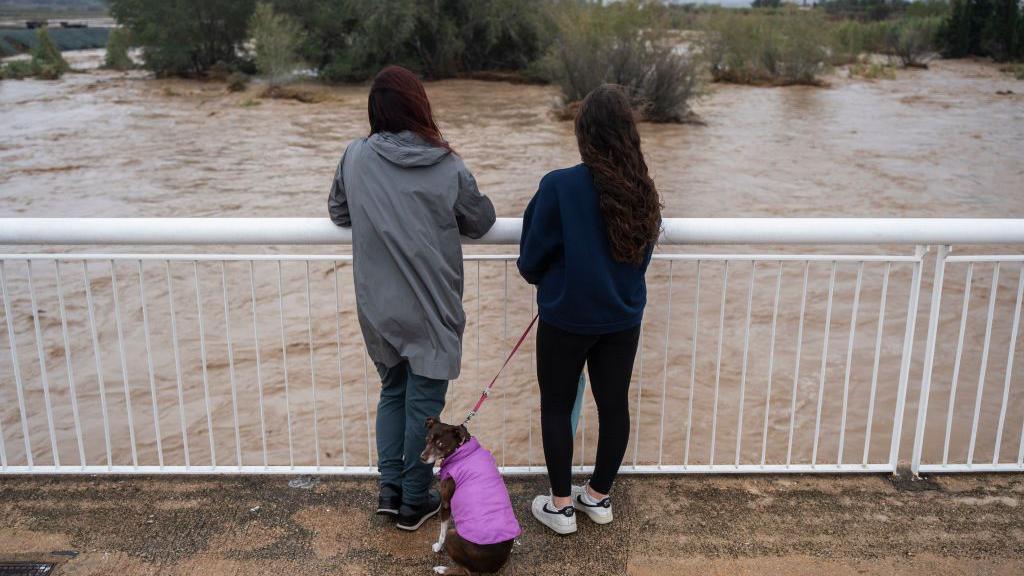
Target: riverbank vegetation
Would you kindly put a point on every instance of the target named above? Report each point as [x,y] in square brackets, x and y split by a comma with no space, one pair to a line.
[993,28]
[662,53]
[46,62]
[118,45]
[776,48]
[275,44]
[187,37]
[15,41]
[622,44]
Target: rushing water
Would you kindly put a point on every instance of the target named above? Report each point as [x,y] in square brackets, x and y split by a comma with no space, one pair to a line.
[940,142]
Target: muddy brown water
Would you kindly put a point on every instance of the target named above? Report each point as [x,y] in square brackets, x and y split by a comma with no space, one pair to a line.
[933,143]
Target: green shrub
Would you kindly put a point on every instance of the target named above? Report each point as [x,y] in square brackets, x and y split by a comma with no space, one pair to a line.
[789,47]
[847,43]
[118,44]
[912,41]
[16,70]
[851,39]
[47,61]
[670,85]
[578,59]
[621,45]
[803,49]
[276,39]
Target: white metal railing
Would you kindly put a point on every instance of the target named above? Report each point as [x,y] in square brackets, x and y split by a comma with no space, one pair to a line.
[246,363]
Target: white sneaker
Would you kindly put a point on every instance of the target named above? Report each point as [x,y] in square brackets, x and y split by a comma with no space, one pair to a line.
[599,513]
[561,521]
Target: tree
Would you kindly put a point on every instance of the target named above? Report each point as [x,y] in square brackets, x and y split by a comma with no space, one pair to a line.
[766,4]
[47,61]
[955,32]
[276,39]
[350,40]
[185,36]
[983,28]
[118,44]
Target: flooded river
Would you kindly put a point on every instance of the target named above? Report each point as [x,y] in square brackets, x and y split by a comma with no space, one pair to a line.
[931,143]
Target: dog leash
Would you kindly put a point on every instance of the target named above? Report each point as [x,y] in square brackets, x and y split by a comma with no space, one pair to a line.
[487,391]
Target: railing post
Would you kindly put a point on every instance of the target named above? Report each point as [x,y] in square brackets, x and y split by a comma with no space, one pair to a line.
[908,348]
[929,357]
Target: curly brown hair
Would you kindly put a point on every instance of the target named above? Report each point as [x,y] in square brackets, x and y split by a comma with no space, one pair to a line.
[610,146]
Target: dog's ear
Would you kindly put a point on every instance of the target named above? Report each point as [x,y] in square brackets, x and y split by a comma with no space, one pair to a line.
[430,422]
[463,434]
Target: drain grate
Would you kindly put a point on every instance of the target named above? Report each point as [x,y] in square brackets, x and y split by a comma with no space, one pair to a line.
[25,569]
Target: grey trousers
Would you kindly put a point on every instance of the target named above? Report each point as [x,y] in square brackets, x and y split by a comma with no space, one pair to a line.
[406,401]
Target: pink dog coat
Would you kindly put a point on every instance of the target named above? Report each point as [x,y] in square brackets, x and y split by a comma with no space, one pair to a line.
[480,506]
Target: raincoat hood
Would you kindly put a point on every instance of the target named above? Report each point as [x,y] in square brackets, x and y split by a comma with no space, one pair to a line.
[406,149]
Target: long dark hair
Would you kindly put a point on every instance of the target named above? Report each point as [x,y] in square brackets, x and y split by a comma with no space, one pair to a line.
[398,102]
[610,146]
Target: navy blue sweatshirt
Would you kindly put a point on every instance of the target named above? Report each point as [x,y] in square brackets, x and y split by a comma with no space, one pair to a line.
[564,250]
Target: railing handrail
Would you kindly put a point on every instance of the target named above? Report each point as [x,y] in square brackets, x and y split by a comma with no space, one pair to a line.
[677,231]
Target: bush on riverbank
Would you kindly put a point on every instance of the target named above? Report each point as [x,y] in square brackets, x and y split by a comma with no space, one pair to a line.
[912,41]
[118,44]
[185,37]
[16,70]
[851,40]
[47,61]
[275,41]
[595,45]
[781,48]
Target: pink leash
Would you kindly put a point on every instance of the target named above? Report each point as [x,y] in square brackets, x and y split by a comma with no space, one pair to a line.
[487,391]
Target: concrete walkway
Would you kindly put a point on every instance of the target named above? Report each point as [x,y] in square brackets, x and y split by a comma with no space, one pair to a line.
[664,525]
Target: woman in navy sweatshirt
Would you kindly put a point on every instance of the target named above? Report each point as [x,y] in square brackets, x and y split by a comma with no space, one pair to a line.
[587,239]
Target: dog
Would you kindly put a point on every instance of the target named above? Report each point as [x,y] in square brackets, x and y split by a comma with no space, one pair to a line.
[474,495]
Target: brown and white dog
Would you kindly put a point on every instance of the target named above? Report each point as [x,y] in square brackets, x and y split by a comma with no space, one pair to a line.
[473,493]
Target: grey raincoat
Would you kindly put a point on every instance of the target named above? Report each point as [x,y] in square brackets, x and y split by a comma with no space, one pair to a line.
[407,203]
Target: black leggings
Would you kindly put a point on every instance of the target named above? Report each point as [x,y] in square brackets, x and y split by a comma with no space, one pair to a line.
[560,358]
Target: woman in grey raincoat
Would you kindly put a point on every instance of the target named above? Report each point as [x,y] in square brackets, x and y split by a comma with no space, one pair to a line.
[408,198]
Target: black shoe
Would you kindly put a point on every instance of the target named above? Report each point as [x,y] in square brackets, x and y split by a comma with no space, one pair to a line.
[412,517]
[389,500]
